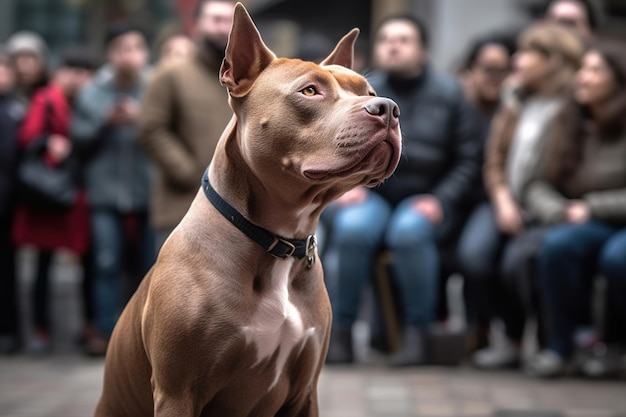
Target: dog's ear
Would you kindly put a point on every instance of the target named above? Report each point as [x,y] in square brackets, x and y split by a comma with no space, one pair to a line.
[246,54]
[343,54]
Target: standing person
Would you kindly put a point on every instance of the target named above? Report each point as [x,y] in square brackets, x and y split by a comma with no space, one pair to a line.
[48,120]
[11,114]
[29,54]
[116,174]
[185,111]
[547,58]
[415,209]
[487,65]
[582,192]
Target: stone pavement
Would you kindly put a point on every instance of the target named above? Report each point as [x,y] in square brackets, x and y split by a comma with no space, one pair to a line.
[68,385]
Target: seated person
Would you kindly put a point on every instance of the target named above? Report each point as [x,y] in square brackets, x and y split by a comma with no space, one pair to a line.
[582,192]
[417,207]
[543,70]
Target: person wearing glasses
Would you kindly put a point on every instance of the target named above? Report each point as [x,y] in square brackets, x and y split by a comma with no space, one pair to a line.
[487,64]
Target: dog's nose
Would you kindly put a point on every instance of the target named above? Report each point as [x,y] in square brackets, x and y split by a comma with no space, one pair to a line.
[380,106]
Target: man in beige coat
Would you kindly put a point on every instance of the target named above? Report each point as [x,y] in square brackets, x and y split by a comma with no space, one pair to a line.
[184,112]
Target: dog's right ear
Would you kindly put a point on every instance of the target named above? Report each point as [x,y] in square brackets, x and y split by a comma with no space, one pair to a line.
[246,54]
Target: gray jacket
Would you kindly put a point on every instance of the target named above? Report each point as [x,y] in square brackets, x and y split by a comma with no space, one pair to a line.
[116,169]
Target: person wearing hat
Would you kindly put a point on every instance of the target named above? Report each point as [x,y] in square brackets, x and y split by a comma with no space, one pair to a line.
[11,113]
[28,53]
[48,119]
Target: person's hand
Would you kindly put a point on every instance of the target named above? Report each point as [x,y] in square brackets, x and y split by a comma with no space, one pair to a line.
[115,115]
[354,196]
[124,112]
[509,218]
[429,207]
[578,212]
[512,82]
[59,147]
[130,110]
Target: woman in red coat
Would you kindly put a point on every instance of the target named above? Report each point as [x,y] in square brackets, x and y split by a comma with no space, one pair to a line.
[48,118]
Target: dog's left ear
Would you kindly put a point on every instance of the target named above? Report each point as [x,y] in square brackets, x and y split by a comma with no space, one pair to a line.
[246,54]
[343,54]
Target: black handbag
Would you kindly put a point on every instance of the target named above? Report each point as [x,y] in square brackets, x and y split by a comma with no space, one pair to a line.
[41,186]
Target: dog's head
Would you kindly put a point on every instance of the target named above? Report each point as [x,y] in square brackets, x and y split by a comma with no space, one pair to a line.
[321,125]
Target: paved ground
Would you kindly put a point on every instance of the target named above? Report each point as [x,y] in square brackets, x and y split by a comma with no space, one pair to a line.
[67,384]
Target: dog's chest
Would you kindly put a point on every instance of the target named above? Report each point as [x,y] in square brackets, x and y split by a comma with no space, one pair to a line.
[277,323]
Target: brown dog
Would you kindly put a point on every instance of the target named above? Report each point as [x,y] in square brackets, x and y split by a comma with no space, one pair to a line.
[235,322]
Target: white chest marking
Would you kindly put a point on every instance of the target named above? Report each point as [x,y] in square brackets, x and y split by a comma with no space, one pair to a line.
[277,324]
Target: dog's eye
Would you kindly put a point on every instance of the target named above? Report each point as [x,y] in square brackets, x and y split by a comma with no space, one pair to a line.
[372,93]
[309,91]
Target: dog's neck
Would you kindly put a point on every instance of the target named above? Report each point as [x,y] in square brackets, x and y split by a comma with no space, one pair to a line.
[293,214]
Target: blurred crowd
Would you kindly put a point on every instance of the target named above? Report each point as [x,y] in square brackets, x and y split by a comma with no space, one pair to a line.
[513,176]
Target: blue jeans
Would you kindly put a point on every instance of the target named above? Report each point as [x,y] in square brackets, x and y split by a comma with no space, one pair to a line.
[358,232]
[567,265]
[112,251]
[612,266]
[478,251]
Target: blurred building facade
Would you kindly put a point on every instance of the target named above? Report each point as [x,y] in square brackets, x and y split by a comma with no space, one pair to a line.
[452,23]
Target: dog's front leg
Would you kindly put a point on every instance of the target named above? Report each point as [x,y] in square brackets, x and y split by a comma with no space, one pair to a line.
[178,379]
[175,406]
[176,390]
[310,407]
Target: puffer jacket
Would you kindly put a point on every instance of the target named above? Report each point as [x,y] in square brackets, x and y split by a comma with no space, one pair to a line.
[441,140]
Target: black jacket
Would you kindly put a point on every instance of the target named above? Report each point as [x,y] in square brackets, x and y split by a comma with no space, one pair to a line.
[441,139]
[11,114]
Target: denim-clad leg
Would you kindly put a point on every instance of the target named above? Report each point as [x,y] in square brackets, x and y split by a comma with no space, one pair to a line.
[412,240]
[108,265]
[357,233]
[612,266]
[565,259]
[478,250]
[144,253]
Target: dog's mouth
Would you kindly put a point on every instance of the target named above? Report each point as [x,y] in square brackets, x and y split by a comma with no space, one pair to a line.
[380,161]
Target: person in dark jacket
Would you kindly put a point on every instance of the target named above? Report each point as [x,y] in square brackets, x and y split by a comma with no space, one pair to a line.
[116,174]
[416,208]
[11,113]
[488,63]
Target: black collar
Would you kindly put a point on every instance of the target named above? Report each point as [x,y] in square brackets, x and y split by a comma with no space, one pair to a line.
[277,246]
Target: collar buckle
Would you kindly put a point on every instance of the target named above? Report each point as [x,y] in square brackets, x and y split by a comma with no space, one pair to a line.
[281,248]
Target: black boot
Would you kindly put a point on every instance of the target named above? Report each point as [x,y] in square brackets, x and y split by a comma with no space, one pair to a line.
[411,352]
[340,349]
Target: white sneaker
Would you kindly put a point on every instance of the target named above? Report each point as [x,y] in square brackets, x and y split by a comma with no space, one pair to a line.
[502,355]
[546,364]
